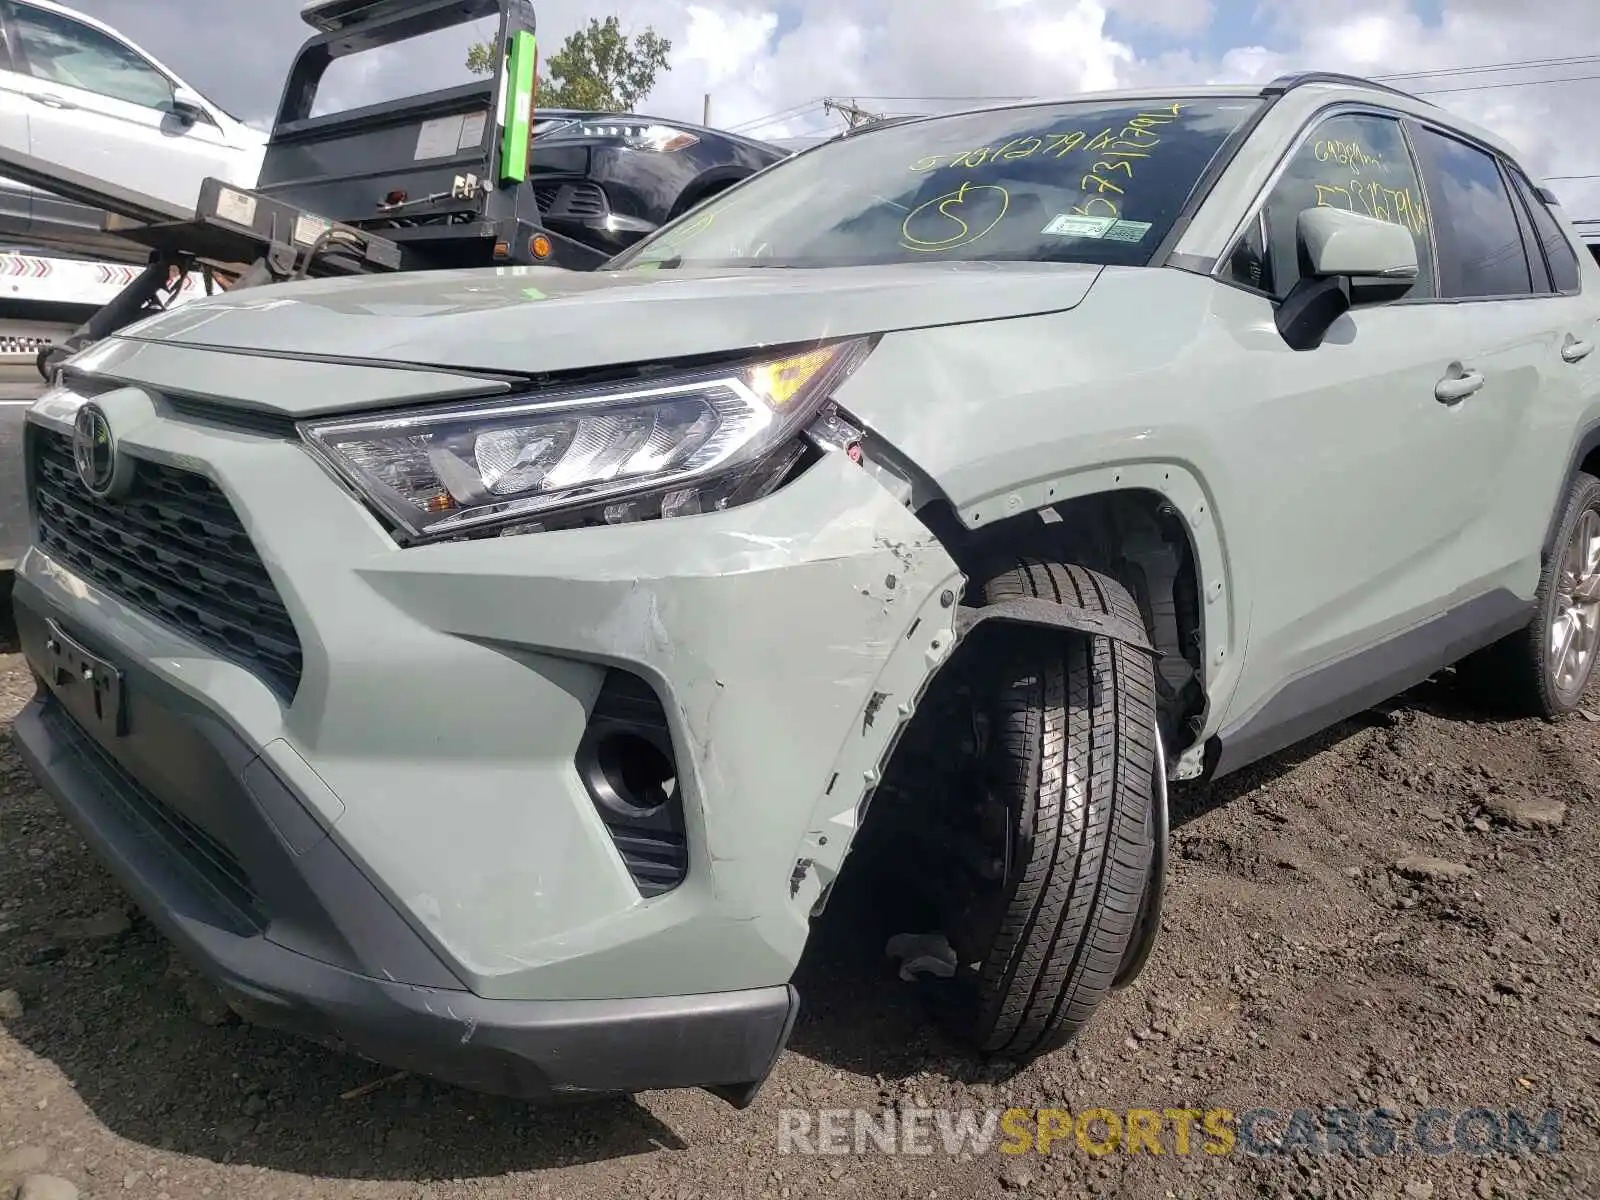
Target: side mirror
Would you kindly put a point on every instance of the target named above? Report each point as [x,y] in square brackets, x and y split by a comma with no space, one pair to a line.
[1336,242]
[1338,248]
[187,104]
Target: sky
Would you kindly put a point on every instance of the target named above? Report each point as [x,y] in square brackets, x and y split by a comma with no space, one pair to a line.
[767,63]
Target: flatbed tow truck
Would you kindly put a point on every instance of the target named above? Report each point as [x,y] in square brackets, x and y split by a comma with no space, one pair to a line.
[430,182]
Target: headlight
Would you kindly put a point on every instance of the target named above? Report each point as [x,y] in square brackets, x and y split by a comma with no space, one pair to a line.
[663,138]
[663,448]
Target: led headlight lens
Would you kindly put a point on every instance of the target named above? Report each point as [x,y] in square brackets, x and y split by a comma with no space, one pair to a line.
[680,445]
[662,138]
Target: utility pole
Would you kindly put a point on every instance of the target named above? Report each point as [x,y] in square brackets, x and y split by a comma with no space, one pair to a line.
[705,112]
[855,116]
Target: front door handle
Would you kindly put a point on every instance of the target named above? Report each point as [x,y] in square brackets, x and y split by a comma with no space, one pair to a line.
[1575,352]
[1453,389]
[50,101]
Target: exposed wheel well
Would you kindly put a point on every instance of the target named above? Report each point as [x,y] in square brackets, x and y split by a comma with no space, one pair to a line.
[1591,464]
[1137,538]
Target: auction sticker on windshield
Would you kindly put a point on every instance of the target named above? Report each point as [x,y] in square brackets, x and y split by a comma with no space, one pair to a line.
[1066,225]
[1128,231]
[1109,228]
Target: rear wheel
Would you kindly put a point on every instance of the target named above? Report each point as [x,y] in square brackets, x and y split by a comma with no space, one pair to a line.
[1069,768]
[1542,670]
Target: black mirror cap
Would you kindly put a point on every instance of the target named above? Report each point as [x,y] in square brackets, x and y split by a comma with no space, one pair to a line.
[1309,310]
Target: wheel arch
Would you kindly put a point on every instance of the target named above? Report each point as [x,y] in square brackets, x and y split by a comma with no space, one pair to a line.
[1584,459]
[1150,526]
[705,185]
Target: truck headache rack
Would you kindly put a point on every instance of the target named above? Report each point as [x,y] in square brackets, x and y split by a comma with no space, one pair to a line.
[443,174]
[432,181]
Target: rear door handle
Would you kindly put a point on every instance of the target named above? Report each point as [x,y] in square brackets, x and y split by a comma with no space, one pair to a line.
[1453,389]
[50,101]
[1575,352]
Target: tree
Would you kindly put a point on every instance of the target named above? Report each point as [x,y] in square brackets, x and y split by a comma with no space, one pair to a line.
[480,58]
[598,67]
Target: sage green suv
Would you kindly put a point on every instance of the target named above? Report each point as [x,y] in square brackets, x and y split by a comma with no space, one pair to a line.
[495,669]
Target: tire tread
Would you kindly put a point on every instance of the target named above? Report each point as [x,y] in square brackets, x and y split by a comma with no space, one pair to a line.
[1074,737]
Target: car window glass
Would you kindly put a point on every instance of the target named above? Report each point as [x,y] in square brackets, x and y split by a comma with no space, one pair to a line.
[1250,263]
[60,50]
[1538,273]
[1481,251]
[1558,252]
[1355,162]
[1100,181]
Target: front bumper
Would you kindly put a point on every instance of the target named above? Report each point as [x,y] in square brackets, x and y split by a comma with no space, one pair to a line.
[539,1049]
[406,855]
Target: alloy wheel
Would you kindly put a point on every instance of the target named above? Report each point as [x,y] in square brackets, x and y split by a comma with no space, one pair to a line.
[1574,633]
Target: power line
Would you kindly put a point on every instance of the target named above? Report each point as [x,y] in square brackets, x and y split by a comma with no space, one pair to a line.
[1489,68]
[772,117]
[1485,87]
[1484,69]
[854,115]
[944,99]
[779,114]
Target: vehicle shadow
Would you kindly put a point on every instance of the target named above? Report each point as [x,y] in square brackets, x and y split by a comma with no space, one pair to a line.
[859,1016]
[160,1064]
[8,619]
[115,1020]
[152,1074]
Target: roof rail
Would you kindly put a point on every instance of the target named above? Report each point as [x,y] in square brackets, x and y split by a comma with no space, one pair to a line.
[1287,83]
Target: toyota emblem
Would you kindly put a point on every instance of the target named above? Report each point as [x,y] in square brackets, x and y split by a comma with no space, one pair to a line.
[94,450]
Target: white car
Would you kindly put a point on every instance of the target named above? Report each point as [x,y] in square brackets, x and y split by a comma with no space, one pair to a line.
[76,93]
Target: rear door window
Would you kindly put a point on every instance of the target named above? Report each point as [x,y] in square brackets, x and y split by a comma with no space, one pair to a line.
[1481,251]
[1559,255]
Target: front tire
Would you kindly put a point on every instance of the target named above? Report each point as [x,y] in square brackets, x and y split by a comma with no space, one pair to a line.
[1542,670]
[1071,756]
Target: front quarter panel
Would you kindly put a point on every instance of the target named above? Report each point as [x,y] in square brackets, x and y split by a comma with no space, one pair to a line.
[789,641]
[1010,417]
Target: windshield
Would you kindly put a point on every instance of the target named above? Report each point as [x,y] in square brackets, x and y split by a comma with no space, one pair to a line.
[1094,181]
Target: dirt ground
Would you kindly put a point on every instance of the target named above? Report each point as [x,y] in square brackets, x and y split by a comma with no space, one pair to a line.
[1301,967]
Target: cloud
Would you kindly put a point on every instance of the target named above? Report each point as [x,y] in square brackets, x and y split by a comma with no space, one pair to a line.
[1177,18]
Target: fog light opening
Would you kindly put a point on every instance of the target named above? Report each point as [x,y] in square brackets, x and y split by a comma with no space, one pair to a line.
[638,775]
[629,769]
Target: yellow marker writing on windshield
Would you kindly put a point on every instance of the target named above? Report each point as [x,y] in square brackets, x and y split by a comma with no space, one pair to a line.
[955,219]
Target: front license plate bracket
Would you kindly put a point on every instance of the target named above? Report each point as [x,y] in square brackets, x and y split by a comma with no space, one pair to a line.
[74,671]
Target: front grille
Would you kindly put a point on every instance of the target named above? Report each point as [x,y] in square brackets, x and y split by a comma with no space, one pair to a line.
[574,201]
[173,549]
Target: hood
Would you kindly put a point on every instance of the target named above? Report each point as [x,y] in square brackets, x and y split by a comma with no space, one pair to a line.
[532,320]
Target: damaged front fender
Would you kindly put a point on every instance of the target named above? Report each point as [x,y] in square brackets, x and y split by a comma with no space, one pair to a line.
[1050,615]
